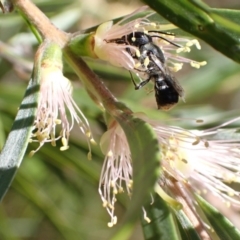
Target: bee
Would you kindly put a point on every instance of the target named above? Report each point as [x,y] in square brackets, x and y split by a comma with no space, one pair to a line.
[152,62]
[166,86]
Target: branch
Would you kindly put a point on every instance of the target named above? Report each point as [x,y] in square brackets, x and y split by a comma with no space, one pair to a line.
[39,20]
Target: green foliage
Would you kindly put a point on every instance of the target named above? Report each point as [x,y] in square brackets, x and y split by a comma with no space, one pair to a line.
[222,226]
[163,224]
[217,28]
[14,149]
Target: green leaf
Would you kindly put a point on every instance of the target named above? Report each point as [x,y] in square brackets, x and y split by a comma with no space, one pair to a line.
[187,230]
[17,141]
[230,14]
[200,20]
[221,225]
[26,185]
[145,156]
[163,225]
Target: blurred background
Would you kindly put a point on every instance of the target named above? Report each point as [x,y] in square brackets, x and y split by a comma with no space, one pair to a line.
[54,195]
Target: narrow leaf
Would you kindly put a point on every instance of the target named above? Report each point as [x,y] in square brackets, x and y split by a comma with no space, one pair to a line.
[221,225]
[163,225]
[198,19]
[17,141]
[187,230]
[230,14]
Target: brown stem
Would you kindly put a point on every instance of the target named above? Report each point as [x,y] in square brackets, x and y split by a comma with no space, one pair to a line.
[96,88]
[41,22]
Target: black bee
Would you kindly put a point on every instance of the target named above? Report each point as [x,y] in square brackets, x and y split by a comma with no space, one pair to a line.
[152,61]
[166,86]
[167,91]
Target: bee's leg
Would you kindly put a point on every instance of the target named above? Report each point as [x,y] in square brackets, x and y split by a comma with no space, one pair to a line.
[143,83]
[134,83]
[140,85]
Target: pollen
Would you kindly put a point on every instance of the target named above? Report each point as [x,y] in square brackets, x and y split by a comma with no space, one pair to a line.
[184,160]
[176,67]
[89,156]
[203,63]
[121,190]
[206,144]
[105,204]
[138,54]
[57,121]
[197,141]
[65,144]
[183,49]
[110,154]
[110,224]
[231,194]
[146,61]
[112,184]
[115,191]
[147,219]
[32,153]
[113,222]
[64,148]
[130,183]
[133,39]
[137,25]
[92,141]
[153,24]
[88,134]
[137,65]
[64,141]
[53,142]
[195,64]
[110,206]
[194,42]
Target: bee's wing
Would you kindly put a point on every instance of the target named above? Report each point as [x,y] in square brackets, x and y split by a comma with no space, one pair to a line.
[168,75]
[158,63]
[175,83]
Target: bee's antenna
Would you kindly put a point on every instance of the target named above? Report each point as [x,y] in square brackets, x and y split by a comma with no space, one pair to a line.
[165,39]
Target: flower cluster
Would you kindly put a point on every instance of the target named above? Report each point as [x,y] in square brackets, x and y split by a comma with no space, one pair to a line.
[116,53]
[194,161]
[55,97]
[117,168]
[199,161]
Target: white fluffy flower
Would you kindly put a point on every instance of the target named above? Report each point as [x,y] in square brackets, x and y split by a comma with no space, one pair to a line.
[54,104]
[193,162]
[117,55]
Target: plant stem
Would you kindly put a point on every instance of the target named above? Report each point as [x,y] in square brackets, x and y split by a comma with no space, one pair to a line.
[39,20]
[95,87]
